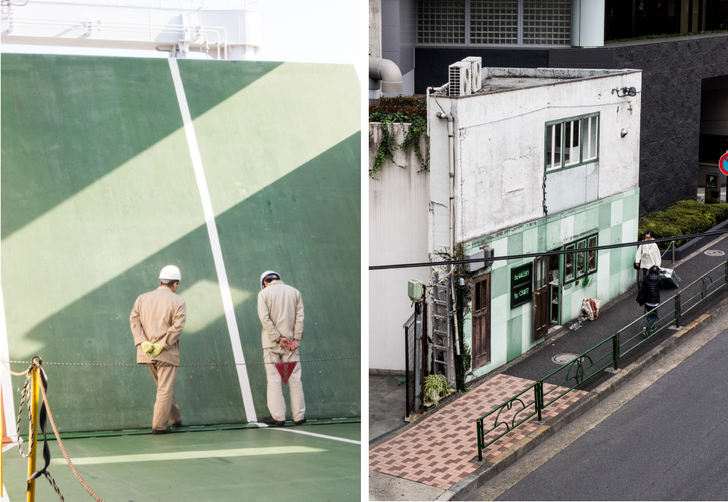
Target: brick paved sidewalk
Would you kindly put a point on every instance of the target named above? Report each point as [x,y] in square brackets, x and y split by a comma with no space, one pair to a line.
[440,450]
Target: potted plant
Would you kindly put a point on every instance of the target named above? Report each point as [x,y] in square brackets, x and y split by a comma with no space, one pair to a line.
[436,387]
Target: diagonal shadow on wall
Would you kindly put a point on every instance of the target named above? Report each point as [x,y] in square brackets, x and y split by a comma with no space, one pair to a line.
[90,115]
[306,225]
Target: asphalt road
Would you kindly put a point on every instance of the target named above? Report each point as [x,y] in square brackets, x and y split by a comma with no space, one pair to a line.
[663,436]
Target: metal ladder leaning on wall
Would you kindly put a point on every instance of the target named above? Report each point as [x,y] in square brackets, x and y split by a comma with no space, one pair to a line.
[443,359]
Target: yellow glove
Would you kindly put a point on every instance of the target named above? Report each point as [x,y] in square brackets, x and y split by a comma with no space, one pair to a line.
[156,350]
[147,347]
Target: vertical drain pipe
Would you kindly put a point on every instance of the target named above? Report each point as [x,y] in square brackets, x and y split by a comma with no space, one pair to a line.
[451,171]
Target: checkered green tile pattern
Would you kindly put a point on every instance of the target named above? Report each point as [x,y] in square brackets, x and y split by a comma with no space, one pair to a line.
[614,219]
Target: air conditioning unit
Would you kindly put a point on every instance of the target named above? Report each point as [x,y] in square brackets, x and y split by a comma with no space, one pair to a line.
[486,252]
[460,83]
[475,71]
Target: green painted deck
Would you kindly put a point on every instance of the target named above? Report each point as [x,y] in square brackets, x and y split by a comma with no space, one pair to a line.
[287,463]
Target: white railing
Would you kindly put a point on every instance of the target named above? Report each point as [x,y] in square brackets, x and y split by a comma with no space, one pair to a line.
[251,5]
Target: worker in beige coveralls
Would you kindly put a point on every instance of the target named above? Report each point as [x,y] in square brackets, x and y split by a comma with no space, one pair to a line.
[156,321]
[280,310]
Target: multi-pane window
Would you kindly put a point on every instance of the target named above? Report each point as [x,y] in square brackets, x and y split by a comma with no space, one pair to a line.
[494,22]
[571,142]
[441,21]
[581,262]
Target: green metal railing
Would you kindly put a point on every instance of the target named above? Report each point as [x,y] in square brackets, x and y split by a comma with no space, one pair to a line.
[534,399]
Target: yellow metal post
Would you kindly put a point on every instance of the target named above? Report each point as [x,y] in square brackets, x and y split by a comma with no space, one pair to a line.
[33,427]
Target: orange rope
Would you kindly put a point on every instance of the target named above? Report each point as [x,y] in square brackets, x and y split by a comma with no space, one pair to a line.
[60,443]
[12,372]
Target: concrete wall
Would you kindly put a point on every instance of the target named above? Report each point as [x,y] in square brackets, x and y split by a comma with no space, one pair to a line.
[673,70]
[375,28]
[99,192]
[398,209]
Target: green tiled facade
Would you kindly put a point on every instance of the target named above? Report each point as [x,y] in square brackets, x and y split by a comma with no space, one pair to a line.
[613,219]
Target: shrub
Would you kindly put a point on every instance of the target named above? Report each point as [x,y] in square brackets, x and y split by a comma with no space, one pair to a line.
[683,218]
[399,109]
[403,109]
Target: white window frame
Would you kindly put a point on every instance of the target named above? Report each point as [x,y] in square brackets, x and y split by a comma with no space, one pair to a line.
[587,149]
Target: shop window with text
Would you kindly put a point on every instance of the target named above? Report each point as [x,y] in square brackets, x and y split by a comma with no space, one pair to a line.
[580,263]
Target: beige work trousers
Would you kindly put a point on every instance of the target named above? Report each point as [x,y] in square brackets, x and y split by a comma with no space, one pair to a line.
[276,403]
[165,408]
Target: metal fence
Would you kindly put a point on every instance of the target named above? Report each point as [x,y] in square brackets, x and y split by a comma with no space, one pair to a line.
[604,356]
[415,347]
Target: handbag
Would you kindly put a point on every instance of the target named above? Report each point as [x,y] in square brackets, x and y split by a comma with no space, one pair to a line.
[637,265]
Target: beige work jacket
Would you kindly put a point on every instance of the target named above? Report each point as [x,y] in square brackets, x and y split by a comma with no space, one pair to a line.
[159,316]
[280,310]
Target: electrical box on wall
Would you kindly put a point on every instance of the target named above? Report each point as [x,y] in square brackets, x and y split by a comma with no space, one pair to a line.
[415,290]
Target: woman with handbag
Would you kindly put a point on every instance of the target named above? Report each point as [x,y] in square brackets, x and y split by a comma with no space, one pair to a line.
[648,254]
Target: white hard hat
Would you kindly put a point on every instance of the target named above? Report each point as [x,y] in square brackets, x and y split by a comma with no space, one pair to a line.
[170,273]
[266,273]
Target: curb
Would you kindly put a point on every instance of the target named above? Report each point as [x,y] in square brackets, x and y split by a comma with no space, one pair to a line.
[548,428]
[697,243]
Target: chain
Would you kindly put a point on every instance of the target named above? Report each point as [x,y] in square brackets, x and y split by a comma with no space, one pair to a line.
[187,365]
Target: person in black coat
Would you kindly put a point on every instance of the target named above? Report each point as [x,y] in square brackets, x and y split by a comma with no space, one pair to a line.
[649,288]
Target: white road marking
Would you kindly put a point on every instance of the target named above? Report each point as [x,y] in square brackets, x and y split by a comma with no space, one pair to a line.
[227,299]
[188,455]
[314,435]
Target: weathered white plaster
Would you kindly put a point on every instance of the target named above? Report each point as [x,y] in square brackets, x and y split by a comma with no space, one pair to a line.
[567,229]
[499,146]
[398,223]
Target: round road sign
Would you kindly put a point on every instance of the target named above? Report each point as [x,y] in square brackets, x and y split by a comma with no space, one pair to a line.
[723,163]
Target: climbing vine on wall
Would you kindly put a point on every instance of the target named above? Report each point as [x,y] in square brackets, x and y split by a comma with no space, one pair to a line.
[403,109]
[463,307]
